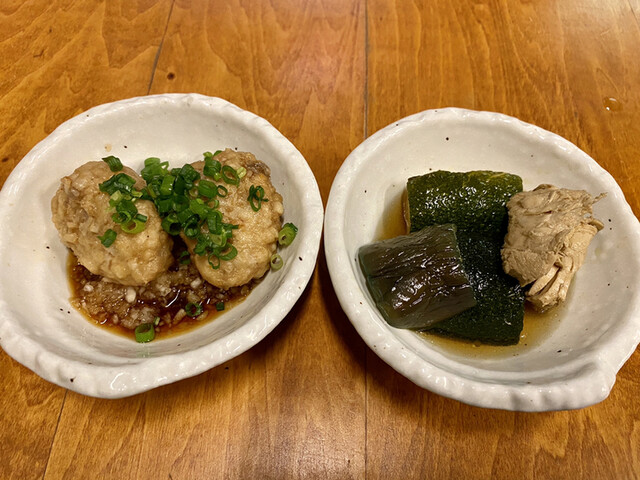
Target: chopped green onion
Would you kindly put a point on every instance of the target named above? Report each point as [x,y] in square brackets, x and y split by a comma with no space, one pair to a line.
[229,175]
[214,221]
[198,207]
[191,231]
[115,165]
[222,191]
[187,203]
[241,172]
[184,258]
[145,332]
[287,234]
[120,181]
[189,174]
[166,187]
[193,309]
[133,227]
[207,189]
[171,225]
[276,262]
[211,168]
[116,197]
[220,306]
[156,321]
[180,203]
[215,266]
[152,162]
[256,197]
[217,152]
[108,238]
[230,254]
[164,205]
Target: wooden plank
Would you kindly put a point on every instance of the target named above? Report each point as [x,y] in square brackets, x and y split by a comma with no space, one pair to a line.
[293,406]
[555,66]
[57,59]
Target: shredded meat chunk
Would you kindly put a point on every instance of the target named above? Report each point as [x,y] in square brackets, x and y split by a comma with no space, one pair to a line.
[549,232]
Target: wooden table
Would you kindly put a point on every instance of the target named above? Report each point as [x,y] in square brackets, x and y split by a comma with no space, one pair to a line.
[311,400]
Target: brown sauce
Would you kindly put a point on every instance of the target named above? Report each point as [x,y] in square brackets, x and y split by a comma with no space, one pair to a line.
[537,326]
[104,303]
[392,223]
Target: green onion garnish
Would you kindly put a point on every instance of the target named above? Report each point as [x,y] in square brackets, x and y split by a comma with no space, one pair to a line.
[276,262]
[193,309]
[222,191]
[122,200]
[119,182]
[229,175]
[133,227]
[115,165]
[184,258]
[145,333]
[220,306]
[241,172]
[212,168]
[207,188]
[229,254]
[287,234]
[187,204]
[256,197]
[108,238]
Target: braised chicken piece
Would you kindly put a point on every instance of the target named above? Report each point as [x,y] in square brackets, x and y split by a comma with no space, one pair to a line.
[81,213]
[549,232]
[257,234]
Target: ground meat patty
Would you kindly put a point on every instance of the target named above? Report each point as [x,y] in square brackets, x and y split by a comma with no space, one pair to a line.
[257,232]
[81,213]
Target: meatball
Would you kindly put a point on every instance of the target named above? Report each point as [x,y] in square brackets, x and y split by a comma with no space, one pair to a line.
[81,213]
[257,233]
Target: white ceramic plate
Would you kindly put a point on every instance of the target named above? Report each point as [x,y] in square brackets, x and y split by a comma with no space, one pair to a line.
[572,365]
[38,326]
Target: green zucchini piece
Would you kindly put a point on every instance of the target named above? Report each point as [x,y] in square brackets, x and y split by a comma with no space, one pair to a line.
[476,203]
[418,279]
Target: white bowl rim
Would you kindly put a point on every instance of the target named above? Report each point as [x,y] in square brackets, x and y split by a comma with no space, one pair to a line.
[148,373]
[596,375]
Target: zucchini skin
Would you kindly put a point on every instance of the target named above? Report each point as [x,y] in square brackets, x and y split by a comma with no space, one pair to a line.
[476,203]
[417,280]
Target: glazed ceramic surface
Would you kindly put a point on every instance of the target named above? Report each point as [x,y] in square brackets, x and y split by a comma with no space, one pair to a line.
[39,327]
[574,361]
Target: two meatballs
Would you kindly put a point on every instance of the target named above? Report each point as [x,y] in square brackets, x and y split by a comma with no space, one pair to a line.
[81,213]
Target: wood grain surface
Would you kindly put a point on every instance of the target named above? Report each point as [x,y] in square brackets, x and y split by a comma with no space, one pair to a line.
[311,400]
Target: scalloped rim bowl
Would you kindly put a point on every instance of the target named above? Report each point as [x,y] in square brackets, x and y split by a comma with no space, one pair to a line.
[38,326]
[574,364]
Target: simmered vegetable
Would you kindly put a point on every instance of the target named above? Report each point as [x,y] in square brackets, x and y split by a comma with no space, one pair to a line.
[417,280]
[476,203]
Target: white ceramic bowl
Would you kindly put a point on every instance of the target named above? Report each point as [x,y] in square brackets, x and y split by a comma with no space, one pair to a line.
[38,326]
[575,362]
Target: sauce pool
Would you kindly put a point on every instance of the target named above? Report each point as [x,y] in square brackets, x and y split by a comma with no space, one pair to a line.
[78,277]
